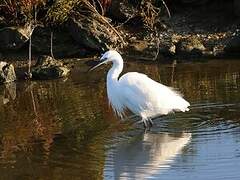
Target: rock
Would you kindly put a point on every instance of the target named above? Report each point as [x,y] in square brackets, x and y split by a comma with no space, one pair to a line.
[143,50]
[94,32]
[2,22]
[7,72]
[167,49]
[218,50]
[189,47]
[14,37]
[232,46]
[236,6]
[63,43]
[49,68]
[84,37]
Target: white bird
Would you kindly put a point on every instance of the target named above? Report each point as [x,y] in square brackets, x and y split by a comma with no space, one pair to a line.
[138,93]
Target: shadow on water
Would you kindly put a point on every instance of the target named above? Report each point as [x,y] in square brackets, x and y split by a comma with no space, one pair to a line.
[64,129]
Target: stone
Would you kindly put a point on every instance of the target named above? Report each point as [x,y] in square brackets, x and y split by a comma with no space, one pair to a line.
[218,50]
[232,46]
[49,68]
[84,37]
[7,73]
[2,22]
[12,38]
[143,50]
[167,49]
[63,43]
[94,32]
[190,47]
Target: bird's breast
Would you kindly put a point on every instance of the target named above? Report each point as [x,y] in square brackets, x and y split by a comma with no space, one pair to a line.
[115,98]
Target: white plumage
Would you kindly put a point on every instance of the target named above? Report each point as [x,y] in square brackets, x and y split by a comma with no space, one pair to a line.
[138,93]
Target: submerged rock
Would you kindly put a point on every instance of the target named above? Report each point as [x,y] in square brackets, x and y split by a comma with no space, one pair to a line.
[14,37]
[49,68]
[7,72]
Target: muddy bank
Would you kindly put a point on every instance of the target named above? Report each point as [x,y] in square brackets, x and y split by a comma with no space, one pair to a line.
[140,29]
[194,30]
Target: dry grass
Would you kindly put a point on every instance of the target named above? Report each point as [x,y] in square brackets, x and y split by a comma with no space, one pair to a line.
[62,10]
[20,11]
[59,12]
[151,14]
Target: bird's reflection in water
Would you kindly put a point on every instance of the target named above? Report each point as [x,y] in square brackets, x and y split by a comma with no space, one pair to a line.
[145,157]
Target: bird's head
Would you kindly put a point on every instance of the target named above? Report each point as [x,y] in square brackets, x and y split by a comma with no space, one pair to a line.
[108,56]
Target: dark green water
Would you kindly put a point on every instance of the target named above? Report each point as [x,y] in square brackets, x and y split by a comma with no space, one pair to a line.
[64,129]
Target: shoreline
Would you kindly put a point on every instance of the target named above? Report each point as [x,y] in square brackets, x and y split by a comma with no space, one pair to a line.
[205,31]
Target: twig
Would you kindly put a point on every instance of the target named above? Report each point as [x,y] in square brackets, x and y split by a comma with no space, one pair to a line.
[28,74]
[102,11]
[165,5]
[125,21]
[51,45]
[30,54]
[91,7]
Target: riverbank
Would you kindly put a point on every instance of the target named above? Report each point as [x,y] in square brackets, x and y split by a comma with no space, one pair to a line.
[194,30]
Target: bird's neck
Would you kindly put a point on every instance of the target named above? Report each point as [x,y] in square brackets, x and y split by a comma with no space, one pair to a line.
[114,72]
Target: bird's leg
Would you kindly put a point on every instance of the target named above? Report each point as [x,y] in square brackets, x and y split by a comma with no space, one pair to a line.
[145,125]
[150,122]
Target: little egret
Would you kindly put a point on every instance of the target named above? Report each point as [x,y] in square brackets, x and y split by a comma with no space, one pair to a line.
[138,93]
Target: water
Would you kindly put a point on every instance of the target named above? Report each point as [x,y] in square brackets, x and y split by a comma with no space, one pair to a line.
[64,129]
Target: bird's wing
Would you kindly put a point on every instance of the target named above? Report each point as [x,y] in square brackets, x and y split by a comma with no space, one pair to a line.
[145,94]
